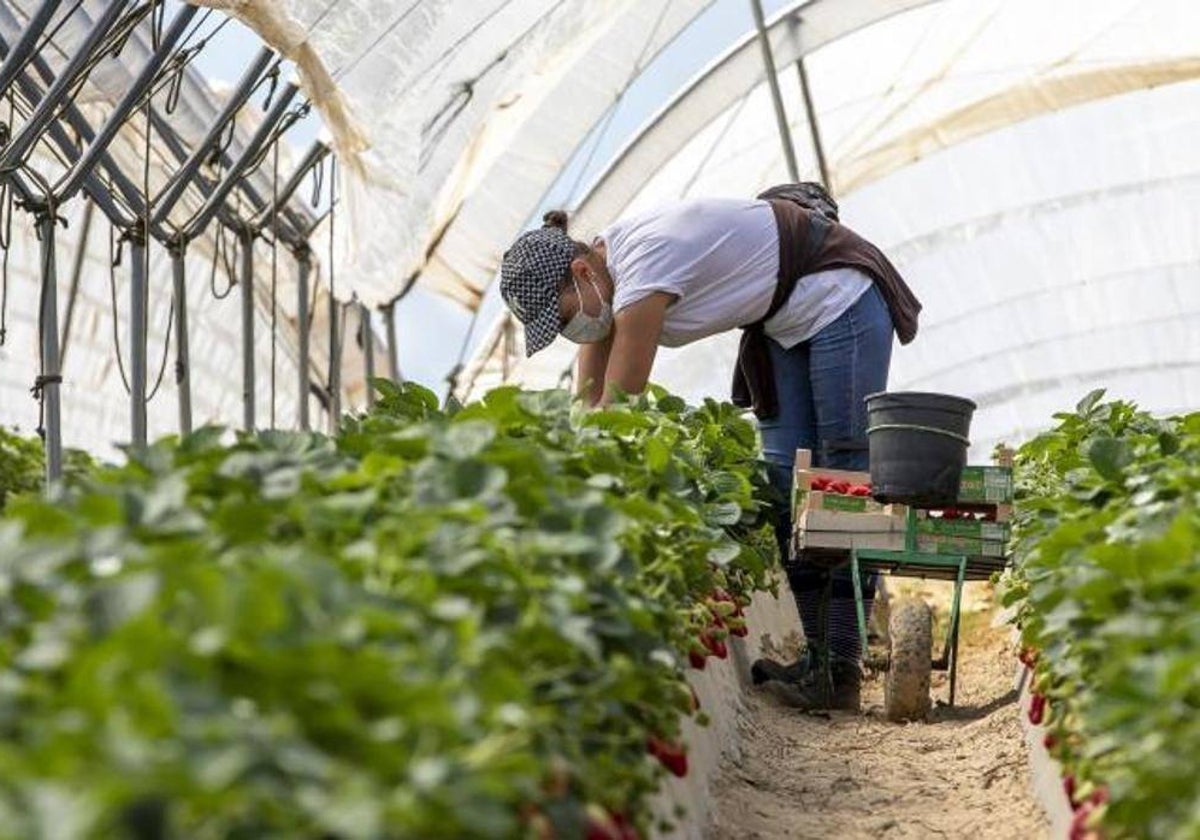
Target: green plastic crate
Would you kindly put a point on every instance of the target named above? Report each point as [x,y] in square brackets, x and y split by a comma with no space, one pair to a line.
[986,485]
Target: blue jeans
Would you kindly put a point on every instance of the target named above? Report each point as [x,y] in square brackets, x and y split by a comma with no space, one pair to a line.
[821,384]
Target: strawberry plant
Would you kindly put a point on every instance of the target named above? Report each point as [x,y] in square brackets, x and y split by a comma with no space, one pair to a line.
[22,466]
[1107,584]
[462,623]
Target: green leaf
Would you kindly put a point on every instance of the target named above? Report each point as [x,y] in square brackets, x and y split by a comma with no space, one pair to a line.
[1110,456]
[1085,406]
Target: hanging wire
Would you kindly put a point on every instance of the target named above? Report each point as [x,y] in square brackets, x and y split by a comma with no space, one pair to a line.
[274,276]
[49,37]
[158,15]
[612,111]
[221,255]
[273,75]
[162,367]
[6,216]
[115,250]
[333,359]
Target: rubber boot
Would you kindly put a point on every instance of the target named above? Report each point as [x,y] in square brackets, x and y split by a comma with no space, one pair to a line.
[811,695]
[764,670]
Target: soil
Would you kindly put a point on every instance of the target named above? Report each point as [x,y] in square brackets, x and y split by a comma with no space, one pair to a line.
[962,773]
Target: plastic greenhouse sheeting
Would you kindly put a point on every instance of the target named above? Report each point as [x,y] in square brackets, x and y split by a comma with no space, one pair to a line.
[454,119]
[1031,169]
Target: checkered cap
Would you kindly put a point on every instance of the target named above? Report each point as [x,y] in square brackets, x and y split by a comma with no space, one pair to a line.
[530,276]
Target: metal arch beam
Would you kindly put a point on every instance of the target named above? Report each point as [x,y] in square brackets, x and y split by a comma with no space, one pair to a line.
[232,178]
[183,176]
[26,45]
[32,91]
[71,182]
[59,91]
[726,81]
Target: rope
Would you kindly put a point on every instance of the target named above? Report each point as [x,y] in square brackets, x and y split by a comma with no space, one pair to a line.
[221,255]
[158,16]
[909,427]
[162,367]
[115,250]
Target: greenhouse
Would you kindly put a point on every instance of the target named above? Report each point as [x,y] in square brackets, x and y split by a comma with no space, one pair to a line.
[549,418]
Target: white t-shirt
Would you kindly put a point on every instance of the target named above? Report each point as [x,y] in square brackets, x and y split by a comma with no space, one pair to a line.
[720,258]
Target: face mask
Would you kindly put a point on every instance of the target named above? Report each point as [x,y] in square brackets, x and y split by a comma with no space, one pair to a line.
[585,328]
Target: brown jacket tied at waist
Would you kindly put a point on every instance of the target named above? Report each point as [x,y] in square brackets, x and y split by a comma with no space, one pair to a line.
[810,243]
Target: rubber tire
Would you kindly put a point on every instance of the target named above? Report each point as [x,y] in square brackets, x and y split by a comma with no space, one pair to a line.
[906,685]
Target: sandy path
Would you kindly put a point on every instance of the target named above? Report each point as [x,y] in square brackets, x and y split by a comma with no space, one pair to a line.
[963,774]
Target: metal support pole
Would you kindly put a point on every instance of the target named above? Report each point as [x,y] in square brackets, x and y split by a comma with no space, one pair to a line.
[389,320]
[368,345]
[304,260]
[781,120]
[335,367]
[183,369]
[26,43]
[813,128]
[51,397]
[85,228]
[138,300]
[246,240]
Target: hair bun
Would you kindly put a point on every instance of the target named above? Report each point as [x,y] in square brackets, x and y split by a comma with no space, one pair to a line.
[556,218]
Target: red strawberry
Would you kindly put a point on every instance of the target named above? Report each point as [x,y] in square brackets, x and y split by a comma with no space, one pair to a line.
[628,830]
[601,826]
[1069,788]
[715,646]
[1037,709]
[860,490]
[671,756]
[1080,828]
[841,487]
[698,660]
[1050,741]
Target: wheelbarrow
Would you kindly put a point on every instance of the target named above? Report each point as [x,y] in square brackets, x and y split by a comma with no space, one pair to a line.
[909,660]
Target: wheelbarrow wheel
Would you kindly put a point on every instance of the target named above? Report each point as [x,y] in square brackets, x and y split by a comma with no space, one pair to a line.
[906,686]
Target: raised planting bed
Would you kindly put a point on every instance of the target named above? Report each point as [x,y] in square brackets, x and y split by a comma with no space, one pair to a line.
[476,623]
[1106,589]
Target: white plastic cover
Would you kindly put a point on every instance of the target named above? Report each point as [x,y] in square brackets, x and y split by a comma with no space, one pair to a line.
[454,119]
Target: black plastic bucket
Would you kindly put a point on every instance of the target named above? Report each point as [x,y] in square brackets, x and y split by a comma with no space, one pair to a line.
[918,446]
